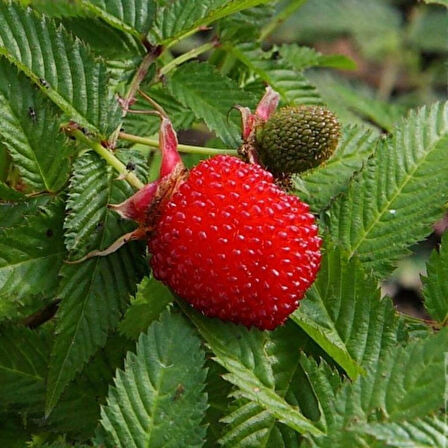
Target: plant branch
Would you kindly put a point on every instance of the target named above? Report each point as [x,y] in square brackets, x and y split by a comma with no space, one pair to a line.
[195,52]
[73,130]
[154,143]
[280,18]
[139,76]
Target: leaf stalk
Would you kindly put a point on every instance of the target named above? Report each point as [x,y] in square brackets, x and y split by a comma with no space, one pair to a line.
[194,53]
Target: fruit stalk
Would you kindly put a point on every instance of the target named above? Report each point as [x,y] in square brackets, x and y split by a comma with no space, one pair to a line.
[188,149]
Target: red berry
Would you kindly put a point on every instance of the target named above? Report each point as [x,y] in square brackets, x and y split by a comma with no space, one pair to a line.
[236,246]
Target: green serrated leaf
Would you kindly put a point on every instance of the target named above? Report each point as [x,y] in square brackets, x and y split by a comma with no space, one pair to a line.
[218,391]
[61,66]
[250,424]
[90,192]
[105,41]
[58,8]
[29,128]
[318,186]
[23,365]
[180,18]
[210,96]
[292,86]
[138,124]
[31,255]
[325,383]
[78,411]
[89,223]
[355,102]
[300,58]
[410,381]
[246,25]
[132,16]
[242,353]
[94,294]
[406,383]
[24,357]
[15,213]
[428,432]
[400,192]
[151,299]
[158,399]
[344,314]
[435,287]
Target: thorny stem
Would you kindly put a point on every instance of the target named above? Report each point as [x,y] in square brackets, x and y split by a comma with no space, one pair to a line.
[108,156]
[153,143]
[280,18]
[139,76]
[158,108]
[195,52]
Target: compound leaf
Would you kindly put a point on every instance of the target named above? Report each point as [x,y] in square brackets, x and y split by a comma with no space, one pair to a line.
[158,399]
[243,353]
[61,66]
[400,192]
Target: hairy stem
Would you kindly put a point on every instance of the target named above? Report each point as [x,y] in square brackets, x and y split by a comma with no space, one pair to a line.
[108,156]
[195,52]
[154,143]
[280,18]
[138,78]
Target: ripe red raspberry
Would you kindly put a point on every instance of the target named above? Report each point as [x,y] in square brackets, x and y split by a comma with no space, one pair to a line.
[236,246]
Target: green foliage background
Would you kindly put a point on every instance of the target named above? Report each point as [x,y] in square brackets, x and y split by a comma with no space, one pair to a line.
[100,353]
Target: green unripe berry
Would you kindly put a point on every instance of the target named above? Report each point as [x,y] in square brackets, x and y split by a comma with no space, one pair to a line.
[298,138]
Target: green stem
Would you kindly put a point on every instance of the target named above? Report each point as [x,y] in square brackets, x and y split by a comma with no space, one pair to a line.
[195,52]
[109,157]
[154,143]
[280,18]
